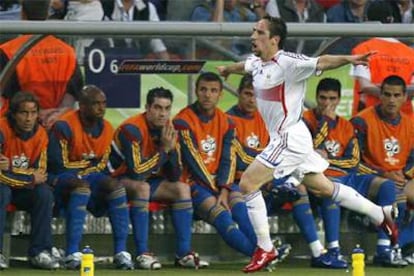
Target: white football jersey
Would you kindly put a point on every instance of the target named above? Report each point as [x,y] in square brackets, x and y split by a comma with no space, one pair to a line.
[280,86]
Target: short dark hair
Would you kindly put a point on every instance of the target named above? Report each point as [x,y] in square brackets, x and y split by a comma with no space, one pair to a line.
[380,11]
[394,80]
[277,27]
[36,9]
[209,76]
[22,97]
[327,84]
[245,82]
[158,92]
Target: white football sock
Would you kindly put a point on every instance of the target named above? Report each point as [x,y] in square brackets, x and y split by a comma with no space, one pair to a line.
[352,200]
[316,248]
[256,209]
[333,244]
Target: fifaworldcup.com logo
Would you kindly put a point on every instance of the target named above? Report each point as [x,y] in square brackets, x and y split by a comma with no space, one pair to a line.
[136,66]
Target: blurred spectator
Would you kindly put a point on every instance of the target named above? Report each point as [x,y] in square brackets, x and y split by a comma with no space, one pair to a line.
[381,11]
[257,6]
[348,11]
[135,10]
[83,10]
[301,11]
[326,4]
[9,10]
[392,58]
[48,70]
[161,7]
[272,9]
[6,4]
[403,11]
[58,9]
[406,10]
[225,11]
[181,10]
[229,11]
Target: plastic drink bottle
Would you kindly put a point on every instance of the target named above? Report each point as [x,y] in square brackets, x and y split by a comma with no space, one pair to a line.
[87,265]
[358,261]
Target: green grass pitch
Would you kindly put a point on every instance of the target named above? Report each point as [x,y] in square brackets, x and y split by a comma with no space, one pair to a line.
[291,267]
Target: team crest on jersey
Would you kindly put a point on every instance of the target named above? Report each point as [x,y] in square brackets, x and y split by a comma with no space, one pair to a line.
[20,162]
[332,147]
[253,141]
[391,147]
[208,146]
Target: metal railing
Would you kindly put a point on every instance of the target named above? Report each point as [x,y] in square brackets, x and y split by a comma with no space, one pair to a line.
[201,29]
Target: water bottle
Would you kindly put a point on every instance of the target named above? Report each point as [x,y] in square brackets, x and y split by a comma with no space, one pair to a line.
[358,261]
[87,265]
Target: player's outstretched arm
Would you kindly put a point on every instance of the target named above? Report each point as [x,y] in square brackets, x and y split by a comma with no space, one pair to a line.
[235,68]
[327,62]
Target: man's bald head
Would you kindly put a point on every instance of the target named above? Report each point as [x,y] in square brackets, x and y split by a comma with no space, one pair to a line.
[89,93]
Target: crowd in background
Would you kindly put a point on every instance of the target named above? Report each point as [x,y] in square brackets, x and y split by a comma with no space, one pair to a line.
[302,11]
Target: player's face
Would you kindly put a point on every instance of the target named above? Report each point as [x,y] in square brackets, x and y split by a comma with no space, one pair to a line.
[262,45]
[97,106]
[26,117]
[208,95]
[392,98]
[247,100]
[159,112]
[327,99]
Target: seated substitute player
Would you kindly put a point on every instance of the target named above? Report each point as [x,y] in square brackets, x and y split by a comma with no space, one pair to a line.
[23,145]
[146,160]
[386,140]
[334,138]
[80,144]
[252,137]
[206,137]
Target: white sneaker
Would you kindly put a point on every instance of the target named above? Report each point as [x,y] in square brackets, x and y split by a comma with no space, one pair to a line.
[191,260]
[123,260]
[73,261]
[58,253]
[148,261]
[44,260]
[3,262]
[390,258]
[409,258]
